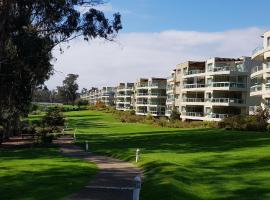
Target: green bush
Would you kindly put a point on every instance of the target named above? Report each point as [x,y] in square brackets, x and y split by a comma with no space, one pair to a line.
[54,117]
[175,115]
[244,122]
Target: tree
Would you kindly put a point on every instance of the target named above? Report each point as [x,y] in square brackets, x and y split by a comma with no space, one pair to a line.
[84,91]
[29,31]
[69,89]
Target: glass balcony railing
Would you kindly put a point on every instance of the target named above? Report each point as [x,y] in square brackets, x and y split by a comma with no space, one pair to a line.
[256,69]
[226,100]
[191,72]
[193,114]
[142,102]
[257,50]
[194,85]
[193,100]
[218,115]
[267,86]
[238,68]
[255,88]
[142,94]
[227,84]
[156,112]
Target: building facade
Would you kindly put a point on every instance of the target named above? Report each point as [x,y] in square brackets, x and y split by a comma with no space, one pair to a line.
[150,96]
[214,89]
[106,95]
[170,91]
[260,74]
[124,96]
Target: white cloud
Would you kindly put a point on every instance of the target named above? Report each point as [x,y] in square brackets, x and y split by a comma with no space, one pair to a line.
[135,55]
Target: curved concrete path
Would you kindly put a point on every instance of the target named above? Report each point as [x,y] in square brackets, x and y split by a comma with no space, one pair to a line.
[114,180]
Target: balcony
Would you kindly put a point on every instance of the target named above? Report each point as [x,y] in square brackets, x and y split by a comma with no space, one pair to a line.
[158,85]
[255,51]
[142,94]
[141,103]
[267,86]
[158,113]
[256,69]
[218,115]
[256,88]
[194,85]
[227,84]
[142,85]
[226,100]
[192,72]
[193,114]
[193,100]
[157,94]
[226,68]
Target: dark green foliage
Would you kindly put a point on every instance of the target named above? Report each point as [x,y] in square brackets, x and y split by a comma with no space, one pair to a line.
[257,122]
[175,115]
[29,31]
[54,117]
[82,102]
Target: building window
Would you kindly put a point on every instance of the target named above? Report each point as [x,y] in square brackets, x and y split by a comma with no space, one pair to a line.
[268,41]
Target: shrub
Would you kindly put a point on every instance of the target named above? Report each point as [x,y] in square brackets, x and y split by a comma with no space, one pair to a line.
[175,115]
[1,134]
[256,122]
[54,117]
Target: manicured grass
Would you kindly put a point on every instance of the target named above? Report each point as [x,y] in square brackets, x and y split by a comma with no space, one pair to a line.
[41,174]
[183,163]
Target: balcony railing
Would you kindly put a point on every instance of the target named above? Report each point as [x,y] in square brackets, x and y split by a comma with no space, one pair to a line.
[142,102]
[191,72]
[142,85]
[255,88]
[226,100]
[193,100]
[226,68]
[218,115]
[157,112]
[257,50]
[194,85]
[156,94]
[267,86]
[256,69]
[193,114]
[227,84]
[159,85]
[142,94]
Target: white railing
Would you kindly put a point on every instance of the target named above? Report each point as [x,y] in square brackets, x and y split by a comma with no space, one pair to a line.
[193,114]
[226,100]
[193,100]
[255,88]
[227,84]
[159,85]
[194,85]
[156,94]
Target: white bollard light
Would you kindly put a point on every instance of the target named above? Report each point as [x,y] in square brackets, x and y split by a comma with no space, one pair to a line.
[137,188]
[74,135]
[137,155]
[86,145]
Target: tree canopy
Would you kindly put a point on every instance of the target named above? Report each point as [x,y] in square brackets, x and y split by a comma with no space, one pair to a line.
[29,31]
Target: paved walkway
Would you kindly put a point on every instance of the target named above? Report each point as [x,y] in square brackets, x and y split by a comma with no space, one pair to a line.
[115,178]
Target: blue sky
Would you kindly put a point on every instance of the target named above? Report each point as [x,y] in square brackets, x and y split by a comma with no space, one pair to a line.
[195,15]
[157,35]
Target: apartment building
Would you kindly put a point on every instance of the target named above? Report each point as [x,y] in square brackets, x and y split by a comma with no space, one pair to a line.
[93,93]
[260,74]
[150,96]
[170,91]
[214,89]
[124,96]
[106,95]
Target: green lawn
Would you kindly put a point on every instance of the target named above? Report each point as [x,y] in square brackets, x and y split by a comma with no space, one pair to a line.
[183,163]
[41,174]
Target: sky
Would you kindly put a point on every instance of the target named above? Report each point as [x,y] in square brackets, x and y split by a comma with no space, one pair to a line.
[157,35]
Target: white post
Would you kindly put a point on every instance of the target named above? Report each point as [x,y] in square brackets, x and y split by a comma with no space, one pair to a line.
[74,135]
[86,145]
[63,131]
[137,155]
[137,188]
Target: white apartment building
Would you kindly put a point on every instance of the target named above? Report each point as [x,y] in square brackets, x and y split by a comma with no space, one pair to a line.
[106,95]
[260,74]
[214,89]
[170,91]
[124,96]
[93,92]
[150,96]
